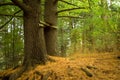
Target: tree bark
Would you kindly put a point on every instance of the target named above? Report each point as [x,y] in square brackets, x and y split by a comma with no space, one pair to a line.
[34,42]
[35,50]
[51,33]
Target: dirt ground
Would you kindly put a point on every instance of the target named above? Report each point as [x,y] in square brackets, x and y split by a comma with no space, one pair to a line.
[102,66]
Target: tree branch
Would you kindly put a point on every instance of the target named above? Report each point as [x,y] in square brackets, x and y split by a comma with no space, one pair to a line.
[68,3]
[44,24]
[6,4]
[71,17]
[11,15]
[9,19]
[21,5]
[71,9]
[6,23]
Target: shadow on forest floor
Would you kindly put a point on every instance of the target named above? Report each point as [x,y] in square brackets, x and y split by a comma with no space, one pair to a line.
[103,66]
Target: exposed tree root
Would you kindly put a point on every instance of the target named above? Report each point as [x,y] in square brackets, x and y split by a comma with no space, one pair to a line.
[50,59]
[6,74]
[5,77]
[45,77]
[17,74]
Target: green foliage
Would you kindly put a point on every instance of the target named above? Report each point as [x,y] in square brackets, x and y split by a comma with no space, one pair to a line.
[11,37]
[95,28]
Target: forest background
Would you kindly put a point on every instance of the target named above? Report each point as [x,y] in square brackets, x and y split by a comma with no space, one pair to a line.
[84,26]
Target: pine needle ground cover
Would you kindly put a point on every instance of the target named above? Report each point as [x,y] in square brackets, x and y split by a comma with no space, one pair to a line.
[102,66]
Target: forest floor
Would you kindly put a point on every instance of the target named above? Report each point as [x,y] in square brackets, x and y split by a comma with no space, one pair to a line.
[102,66]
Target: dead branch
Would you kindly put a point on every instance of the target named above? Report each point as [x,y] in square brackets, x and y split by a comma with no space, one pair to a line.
[91,67]
[6,4]
[6,23]
[87,72]
[11,15]
[9,19]
[71,9]
[68,3]
[71,17]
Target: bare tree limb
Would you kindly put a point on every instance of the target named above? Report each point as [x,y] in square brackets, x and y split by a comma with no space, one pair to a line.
[70,9]
[71,17]
[68,3]
[21,5]
[6,4]
[10,19]
[6,23]
[11,15]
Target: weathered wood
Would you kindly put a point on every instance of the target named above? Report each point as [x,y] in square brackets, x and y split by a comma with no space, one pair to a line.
[46,76]
[17,74]
[89,74]
[91,67]
[44,24]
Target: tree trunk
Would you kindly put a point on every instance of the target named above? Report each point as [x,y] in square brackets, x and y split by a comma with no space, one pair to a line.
[34,42]
[63,43]
[50,32]
[104,18]
[34,49]
[118,37]
[90,29]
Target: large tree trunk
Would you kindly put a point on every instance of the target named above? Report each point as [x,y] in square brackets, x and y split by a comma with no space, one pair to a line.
[34,43]
[50,32]
[35,50]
